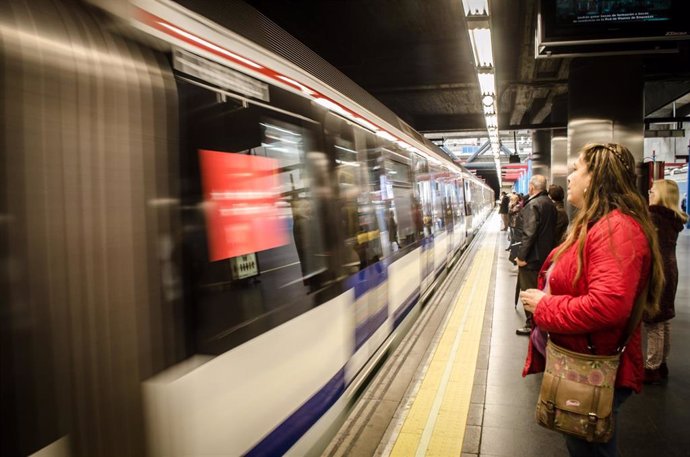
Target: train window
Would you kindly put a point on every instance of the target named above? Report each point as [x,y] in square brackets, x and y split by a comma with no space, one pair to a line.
[448,201]
[258,198]
[423,180]
[460,203]
[399,196]
[358,168]
[438,210]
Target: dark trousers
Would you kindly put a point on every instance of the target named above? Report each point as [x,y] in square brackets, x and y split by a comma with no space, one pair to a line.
[582,448]
[527,279]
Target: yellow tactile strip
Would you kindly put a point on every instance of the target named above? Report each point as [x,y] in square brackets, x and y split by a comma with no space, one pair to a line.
[435,422]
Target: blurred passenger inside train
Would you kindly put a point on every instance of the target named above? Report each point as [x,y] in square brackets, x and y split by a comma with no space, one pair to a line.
[392,230]
[669,221]
[557,195]
[588,285]
[537,226]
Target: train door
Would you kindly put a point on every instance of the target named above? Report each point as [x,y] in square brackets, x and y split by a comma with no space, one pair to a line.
[363,209]
[460,227]
[257,196]
[438,212]
[424,182]
[469,217]
[404,228]
[448,202]
[457,226]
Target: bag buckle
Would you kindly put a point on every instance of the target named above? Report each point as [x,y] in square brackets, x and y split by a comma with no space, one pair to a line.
[591,426]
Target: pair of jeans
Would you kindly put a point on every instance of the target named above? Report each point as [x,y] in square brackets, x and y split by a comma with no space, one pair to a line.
[527,279]
[582,448]
[658,344]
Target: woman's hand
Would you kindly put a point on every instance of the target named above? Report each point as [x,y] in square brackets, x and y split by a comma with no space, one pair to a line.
[530,298]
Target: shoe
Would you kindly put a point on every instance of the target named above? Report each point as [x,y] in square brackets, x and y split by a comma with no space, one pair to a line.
[663,370]
[524,331]
[652,376]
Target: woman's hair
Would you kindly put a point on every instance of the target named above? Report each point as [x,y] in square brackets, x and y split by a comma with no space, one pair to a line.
[613,186]
[669,196]
[556,193]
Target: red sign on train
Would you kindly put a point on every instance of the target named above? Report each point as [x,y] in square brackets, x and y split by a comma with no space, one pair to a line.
[241,193]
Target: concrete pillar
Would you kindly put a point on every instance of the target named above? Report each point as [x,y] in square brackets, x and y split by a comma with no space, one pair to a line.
[606,103]
[541,153]
[559,158]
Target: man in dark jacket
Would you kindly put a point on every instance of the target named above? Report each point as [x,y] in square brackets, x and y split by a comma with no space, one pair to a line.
[503,210]
[537,221]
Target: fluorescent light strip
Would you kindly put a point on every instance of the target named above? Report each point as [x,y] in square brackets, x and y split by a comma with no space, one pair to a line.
[487,83]
[475,5]
[481,47]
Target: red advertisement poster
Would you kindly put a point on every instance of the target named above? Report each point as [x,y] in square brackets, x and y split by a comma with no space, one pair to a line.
[241,194]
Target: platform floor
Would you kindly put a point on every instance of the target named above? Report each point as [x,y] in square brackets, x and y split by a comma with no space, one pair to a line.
[442,409]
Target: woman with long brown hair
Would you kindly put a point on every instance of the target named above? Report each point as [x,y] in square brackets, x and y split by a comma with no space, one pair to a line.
[589,284]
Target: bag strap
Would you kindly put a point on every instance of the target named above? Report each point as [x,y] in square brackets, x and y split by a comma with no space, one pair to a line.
[634,320]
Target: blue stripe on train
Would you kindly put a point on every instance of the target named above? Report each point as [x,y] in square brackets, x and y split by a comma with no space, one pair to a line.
[404,309]
[363,282]
[368,278]
[365,330]
[285,435]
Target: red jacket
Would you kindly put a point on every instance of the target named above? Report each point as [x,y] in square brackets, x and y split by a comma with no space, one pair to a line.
[616,263]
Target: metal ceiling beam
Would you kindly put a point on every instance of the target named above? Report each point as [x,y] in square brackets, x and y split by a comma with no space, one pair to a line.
[505,149]
[482,149]
[484,166]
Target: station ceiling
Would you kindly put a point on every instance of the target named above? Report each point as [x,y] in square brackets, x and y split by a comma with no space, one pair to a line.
[416,58]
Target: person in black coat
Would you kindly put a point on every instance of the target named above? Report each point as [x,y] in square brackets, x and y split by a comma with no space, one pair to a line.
[669,221]
[503,210]
[557,196]
[537,225]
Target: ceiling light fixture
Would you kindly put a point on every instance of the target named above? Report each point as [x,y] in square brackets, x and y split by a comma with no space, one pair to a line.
[477,17]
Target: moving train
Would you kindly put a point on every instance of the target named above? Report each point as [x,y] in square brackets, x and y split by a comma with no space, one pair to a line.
[208,235]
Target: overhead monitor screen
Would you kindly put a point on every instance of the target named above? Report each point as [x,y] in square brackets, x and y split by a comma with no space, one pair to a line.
[590,26]
[600,12]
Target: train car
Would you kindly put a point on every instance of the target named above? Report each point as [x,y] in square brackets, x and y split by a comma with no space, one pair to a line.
[209,235]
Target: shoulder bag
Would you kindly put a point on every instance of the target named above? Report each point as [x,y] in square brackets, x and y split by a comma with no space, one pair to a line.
[576,395]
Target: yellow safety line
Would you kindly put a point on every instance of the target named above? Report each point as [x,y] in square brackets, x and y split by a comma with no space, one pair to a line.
[435,423]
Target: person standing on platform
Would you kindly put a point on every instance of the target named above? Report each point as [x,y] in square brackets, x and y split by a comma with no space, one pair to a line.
[590,283]
[669,221]
[557,195]
[503,210]
[537,225]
